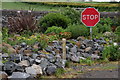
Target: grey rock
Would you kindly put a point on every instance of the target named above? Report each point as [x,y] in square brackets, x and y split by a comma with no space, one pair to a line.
[86,55]
[88,49]
[34,56]
[48,49]
[100,48]
[5,55]
[78,54]
[44,63]
[38,68]
[82,47]
[37,61]
[9,67]
[3,75]
[51,70]
[57,56]
[88,43]
[51,58]
[70,45]
[73,49]
[82,58]
[75,58]
[21,75]
[53,52]
[60,63]
[81,50]
[16,57]
[95,56]
[25,63]
[32,61]
[34,70]
[23,44]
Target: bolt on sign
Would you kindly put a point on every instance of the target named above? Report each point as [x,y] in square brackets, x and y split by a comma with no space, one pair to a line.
[90,17]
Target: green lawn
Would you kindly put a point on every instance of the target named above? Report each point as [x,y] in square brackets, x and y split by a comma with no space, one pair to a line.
[25,6]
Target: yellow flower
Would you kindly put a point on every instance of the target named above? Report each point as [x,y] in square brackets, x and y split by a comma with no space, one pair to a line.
[28,39]
[23,37]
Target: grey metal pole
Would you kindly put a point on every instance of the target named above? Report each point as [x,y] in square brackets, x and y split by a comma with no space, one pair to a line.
[91,33]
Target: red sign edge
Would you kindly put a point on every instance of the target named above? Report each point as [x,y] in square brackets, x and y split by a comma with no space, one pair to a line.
[96,23]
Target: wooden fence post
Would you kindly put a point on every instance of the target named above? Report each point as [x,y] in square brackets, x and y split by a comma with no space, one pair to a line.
[64,48]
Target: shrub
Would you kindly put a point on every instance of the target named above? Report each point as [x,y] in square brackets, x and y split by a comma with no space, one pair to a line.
[111,53]
[103,28]
[117,31]
[72,14]
[23,22]
[54,19]
[77,30]
[54,29]
[44,40]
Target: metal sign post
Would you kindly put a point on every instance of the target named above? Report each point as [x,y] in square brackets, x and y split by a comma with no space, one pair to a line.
[90,17]
[91,33]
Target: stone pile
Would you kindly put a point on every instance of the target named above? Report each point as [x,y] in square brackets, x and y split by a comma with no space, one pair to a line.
[26,63]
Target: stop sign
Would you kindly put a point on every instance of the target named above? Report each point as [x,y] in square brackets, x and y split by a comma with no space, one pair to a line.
[90,17]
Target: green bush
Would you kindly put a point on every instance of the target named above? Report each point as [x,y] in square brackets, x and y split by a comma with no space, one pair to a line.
[54,29]
[103,28]
[72,14]
[77,30]
[111,53]
[117,31]
[54,19]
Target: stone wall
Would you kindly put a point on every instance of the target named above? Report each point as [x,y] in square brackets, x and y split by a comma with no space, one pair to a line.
[39,14]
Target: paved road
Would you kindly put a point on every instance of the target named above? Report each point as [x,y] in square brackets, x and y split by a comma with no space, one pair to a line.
[100,74]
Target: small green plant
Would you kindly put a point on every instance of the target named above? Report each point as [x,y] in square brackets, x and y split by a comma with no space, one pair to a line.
[44,40]
[54,19]
[111,53]
[77,30]
[67,64]
[59,72]
[87,61]
[54,29]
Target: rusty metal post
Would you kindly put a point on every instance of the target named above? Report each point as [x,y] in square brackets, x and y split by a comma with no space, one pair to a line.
[64,48]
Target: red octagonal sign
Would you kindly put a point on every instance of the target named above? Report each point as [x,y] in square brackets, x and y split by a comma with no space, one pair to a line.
[90,17]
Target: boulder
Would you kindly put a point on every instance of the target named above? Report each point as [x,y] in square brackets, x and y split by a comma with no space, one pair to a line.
[88,49]
[9,48]
[25,63]
[9,67]
[95,56]
[75,58]
[60,63]
[44,63]
[34,70]
[3,75]
[16,57]
[27,52]
[73,49]
[51,70]
[34,56]
[19,75]
[86,55]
